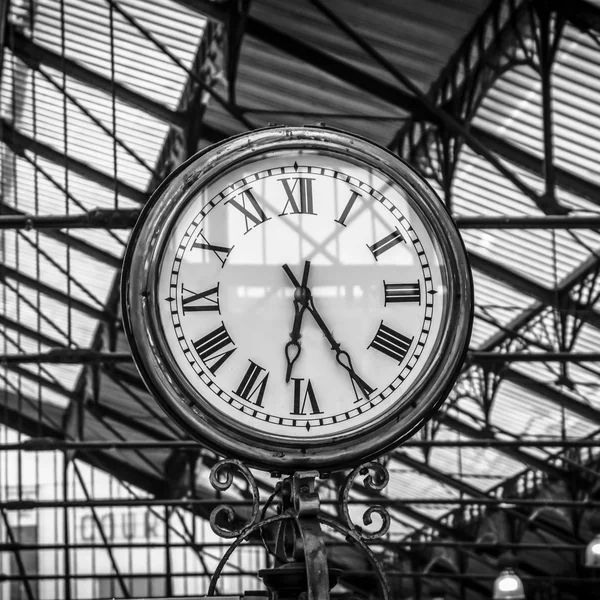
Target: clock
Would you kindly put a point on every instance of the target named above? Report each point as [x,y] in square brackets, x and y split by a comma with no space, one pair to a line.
[297,298]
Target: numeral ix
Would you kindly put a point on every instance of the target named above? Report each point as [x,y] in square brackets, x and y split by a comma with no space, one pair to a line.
[201,301]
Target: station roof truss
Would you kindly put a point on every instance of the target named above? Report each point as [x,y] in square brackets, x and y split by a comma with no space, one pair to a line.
[99,102]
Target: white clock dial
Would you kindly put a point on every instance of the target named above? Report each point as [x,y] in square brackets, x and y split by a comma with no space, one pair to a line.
[227,305]
[297,298]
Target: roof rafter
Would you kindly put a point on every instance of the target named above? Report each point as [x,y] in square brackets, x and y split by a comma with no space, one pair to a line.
[70,241]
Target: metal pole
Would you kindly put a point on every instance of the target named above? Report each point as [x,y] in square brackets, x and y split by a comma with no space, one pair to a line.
[45,444]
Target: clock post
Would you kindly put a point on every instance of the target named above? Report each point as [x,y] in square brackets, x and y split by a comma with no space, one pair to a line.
[299,300]
[301,570]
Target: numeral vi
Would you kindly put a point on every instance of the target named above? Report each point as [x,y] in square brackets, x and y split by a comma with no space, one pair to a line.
[300,400]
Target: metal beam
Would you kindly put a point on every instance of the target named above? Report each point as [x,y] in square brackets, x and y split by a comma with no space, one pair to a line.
[583,14]
[72,242]
[18,143]
[84,356]
[28,50]
[93,219]
[529,222]
[482,357]
[126,219]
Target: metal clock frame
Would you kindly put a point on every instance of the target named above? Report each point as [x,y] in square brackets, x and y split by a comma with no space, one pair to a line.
[183,403]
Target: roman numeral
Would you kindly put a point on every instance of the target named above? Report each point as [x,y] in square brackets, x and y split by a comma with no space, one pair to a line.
[402,292]
[390,342]
[209,348]
[348,208]
[384,244]
[300,401]
[202,301]
[361,387]
[305,195]
[218,250]
[253,384]
[253,213]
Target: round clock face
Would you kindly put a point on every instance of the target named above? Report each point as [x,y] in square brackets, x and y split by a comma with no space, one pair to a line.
[298,303]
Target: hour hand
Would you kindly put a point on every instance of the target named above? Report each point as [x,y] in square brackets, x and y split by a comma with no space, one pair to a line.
[301,297]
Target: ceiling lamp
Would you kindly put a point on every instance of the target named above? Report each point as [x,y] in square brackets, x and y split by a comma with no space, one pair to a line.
[437,592]
[592,552]
[508,586]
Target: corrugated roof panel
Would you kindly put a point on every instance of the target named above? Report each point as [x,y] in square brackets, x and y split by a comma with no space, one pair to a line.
[90,280]
[577,119]
[523,412]
[138,62]
[406,483]
[479,189]
[545,256]
[481,333]
[70,132]
[39,195]
[497,303]
[30,393]
[23,304]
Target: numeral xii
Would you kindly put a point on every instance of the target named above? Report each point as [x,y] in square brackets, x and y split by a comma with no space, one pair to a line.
[302,202]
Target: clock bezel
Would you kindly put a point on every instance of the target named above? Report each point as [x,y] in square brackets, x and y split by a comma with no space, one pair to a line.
[158,368]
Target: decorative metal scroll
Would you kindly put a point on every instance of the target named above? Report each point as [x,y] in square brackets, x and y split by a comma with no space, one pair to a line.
[298,547]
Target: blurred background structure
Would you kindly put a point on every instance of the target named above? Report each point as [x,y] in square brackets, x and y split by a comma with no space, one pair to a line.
[495,102]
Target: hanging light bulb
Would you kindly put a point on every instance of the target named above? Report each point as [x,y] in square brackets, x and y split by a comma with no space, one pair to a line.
[508,586]
[437,592]
[592,552]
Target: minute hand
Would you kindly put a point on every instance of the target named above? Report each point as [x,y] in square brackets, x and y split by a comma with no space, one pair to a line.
[342,357]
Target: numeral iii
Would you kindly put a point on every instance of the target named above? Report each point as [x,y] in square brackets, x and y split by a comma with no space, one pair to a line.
[402,292]
[390,342]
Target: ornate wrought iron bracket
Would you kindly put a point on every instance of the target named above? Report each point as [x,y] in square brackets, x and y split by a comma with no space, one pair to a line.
[300,567]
